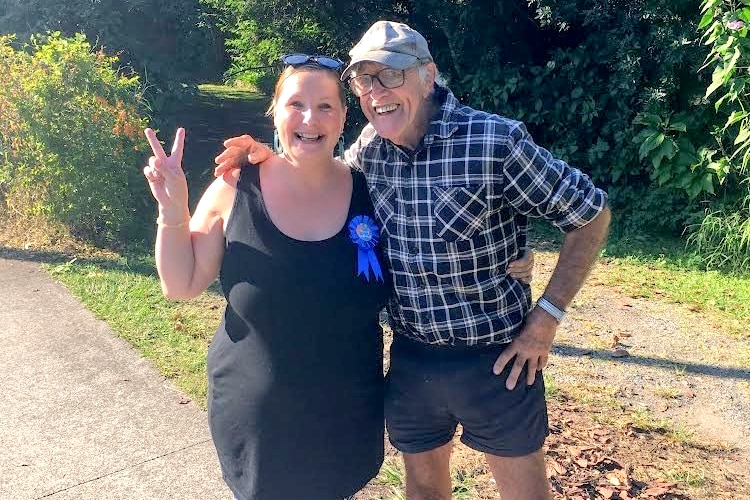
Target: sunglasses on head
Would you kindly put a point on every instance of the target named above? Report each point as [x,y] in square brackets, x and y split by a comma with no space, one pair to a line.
[295,60]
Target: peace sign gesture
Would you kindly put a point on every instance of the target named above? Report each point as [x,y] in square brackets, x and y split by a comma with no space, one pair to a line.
[165,175]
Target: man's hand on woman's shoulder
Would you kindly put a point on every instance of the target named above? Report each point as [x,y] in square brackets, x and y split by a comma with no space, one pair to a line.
[240,151]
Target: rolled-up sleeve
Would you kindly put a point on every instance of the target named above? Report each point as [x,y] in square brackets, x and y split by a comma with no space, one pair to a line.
[539,185]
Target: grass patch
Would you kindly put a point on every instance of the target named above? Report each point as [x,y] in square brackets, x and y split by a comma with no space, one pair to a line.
[691,478]
[661,268]
[668,393]
[220,91]
[644,421]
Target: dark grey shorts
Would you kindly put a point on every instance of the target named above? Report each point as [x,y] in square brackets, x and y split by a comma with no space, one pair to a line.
[432,389]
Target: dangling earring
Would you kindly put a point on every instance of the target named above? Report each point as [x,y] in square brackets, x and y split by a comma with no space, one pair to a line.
[340,147]
[276,142]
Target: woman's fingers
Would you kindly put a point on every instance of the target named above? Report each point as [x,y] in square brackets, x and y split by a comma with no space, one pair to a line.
[178,145]
[154,143]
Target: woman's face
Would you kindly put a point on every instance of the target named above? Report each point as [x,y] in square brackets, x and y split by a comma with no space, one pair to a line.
[309,115]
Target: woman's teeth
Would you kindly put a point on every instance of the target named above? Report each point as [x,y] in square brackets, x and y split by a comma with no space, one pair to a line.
[308,137]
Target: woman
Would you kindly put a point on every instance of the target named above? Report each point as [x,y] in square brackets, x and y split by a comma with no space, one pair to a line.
[295,368]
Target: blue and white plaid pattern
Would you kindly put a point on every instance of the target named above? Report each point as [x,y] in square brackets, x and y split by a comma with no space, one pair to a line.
[452,214]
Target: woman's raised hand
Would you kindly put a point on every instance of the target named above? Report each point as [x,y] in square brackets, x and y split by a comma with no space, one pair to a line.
[165,175]
[239,152]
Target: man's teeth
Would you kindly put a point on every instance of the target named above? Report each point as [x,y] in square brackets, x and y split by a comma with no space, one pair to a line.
[385,109]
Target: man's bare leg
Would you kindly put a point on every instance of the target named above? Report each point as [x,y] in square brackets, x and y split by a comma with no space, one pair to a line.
[428,474]
[520,478]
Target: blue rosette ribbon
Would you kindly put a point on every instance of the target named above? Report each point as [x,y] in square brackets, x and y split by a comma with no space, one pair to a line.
[365,234]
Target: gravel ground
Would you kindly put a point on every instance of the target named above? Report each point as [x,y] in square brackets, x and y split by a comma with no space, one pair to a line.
[659,357]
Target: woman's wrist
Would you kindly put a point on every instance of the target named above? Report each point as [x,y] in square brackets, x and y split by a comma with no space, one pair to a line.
[173,217]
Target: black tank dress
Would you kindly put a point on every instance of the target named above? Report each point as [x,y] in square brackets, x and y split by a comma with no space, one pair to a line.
[295,369]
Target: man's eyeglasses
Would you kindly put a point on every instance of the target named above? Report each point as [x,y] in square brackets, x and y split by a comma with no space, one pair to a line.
[388,78]
[302,59]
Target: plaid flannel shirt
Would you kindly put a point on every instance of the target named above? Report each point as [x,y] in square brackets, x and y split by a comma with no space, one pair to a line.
[452,216]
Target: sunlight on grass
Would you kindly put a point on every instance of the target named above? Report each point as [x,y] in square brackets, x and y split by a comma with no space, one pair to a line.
[225,92]
[644,420]
[690,478]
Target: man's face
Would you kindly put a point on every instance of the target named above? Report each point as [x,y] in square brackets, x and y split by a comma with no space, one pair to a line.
[400,114]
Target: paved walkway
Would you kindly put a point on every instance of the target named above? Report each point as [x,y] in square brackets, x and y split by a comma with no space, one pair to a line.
[82,415]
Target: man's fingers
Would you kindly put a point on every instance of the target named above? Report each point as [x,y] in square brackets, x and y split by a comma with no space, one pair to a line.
[515,373]
[531,373]
[154,143]
[502,360]
[220,169]
[243,141]
[543,362]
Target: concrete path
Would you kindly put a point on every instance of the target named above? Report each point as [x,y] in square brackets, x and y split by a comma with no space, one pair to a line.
[82,415]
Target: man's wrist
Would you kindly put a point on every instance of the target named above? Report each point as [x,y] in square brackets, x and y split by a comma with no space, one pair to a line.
[545,305]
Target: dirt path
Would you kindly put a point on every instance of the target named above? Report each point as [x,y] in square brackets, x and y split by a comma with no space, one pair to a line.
[678,375]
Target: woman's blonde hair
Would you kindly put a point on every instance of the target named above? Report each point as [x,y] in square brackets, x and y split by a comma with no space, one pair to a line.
[291,70]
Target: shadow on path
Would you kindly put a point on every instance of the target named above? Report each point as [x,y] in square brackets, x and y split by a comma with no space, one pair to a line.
[728,372]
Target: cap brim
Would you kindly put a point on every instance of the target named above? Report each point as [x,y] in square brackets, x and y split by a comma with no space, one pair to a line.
[394,60]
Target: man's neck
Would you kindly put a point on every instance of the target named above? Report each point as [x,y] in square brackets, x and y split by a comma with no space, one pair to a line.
[424,117]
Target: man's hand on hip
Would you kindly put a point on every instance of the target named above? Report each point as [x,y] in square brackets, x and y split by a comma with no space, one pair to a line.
[531,347]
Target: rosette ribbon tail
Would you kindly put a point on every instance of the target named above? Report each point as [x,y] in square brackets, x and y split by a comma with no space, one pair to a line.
[363,262]
[375,265]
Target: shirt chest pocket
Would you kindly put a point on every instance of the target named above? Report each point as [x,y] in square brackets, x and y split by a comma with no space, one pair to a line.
[459,211]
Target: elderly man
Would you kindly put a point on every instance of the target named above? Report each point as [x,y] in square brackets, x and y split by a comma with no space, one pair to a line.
[451,187]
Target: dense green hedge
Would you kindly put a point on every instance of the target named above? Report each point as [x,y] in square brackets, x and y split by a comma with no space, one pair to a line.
[70,136]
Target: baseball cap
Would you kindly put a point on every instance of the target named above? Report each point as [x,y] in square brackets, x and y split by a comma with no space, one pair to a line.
[392,44]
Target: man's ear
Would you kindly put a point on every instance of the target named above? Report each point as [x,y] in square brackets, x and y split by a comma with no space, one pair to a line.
[429,82]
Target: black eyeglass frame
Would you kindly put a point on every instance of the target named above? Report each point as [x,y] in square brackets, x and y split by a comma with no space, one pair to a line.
[326,62]
[350,80]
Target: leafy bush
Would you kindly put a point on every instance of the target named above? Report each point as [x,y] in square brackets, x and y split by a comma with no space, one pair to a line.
[70,128]
[723,237]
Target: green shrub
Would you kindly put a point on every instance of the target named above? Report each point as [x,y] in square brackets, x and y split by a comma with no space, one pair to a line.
[70,129]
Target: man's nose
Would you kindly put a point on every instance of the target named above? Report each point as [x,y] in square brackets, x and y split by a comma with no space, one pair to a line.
[377,88]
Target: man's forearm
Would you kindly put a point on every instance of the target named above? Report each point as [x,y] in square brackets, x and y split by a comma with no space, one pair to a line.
[577,256]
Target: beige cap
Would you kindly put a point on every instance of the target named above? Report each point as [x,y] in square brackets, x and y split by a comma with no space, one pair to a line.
[392,44]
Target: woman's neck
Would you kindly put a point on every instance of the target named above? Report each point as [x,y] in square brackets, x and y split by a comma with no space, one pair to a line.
[310,176]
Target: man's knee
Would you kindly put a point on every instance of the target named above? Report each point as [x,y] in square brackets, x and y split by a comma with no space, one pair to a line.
[521,478]
[428,474]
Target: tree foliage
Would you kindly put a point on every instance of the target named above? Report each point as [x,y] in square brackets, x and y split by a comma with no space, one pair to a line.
[166,41]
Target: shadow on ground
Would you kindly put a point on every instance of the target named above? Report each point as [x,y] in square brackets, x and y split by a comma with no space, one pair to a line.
[670,364]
